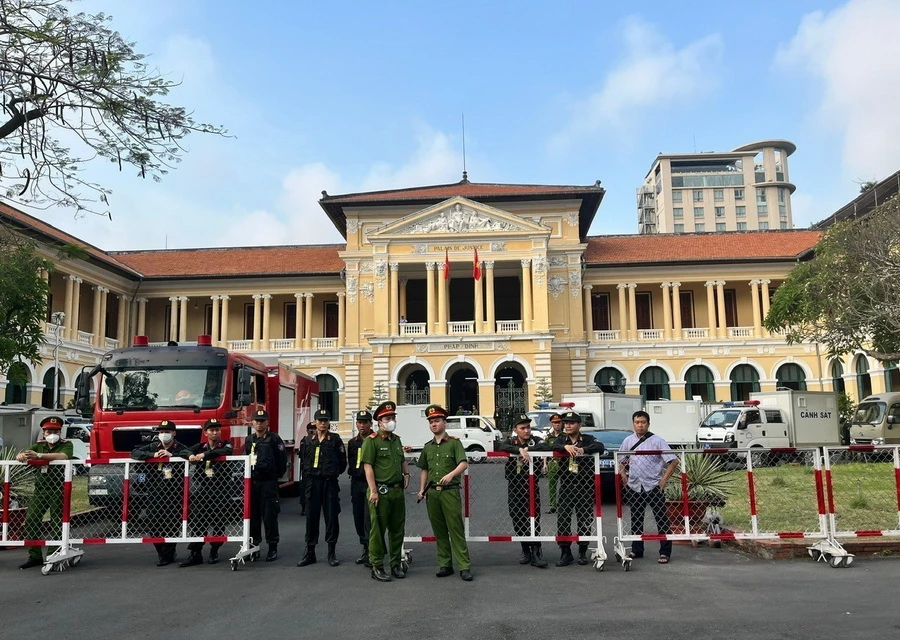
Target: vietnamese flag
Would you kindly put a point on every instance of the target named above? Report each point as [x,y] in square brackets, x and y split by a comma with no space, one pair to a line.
[476,266]
[446,264]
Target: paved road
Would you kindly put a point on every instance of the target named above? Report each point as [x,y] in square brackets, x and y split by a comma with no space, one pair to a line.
[118,592]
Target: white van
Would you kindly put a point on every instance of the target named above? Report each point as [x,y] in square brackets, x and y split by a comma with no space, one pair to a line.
[877,420]
[477,434]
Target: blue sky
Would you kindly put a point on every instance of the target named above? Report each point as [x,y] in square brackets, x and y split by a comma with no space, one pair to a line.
[356,96]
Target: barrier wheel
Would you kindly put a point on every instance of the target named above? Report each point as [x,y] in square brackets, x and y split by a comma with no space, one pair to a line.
[626,564]
[598,565]
[404,566]
[47,568]
[234,565]
[76,561]
[618,557]
[848,560]
[836,561]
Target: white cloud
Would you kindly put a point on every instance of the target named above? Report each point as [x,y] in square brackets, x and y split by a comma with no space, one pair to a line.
[652,75]
[855,52]
[433,162]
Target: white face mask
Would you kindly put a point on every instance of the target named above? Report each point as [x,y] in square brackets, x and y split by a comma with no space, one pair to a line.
[389,426]
[51,438]
[165,438]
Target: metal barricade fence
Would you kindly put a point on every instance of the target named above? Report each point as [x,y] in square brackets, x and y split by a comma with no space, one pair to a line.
[719,494]
[506,499]
[863,484]
[127,501]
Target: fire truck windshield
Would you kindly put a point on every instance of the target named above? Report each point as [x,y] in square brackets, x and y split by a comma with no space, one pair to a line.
[136,389]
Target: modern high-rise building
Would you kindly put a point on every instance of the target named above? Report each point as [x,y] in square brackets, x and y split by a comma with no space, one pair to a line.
[748,189]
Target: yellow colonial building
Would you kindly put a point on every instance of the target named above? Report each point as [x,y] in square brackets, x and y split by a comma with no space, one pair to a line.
[398,309]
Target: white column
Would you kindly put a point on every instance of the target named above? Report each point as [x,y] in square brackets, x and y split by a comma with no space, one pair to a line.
[754,303]
[307,336]
[588,313]
[95,325]
[711,307]
[257,320]
[667,310]
[442,302]
[76,307]
[632,308]
[527,304]
[173,318]
[267,317]
[223,335]
[677,331]
[765,302]
[342,314]
[120,321]
[70,285]
[429,297]
[104,299]
[489,294]
[182,332]
[142,316]
[394,306]
[623,311]
[298,322]
[723,321]
[214,332]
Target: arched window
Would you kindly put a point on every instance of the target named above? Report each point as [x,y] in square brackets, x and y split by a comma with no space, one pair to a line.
[744,381]
[610,380]
[47,396]
[863,379]
[17,380]
[698,381]
[891,377]
[791,376]
[328,394]
[837,377]
[655,384]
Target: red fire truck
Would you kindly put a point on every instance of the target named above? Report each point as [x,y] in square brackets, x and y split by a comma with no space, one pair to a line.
[138,386]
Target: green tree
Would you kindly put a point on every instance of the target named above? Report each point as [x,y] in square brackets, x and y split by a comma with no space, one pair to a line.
[543,392]
[379,395]
[23,300]
[846,296]
[68,79]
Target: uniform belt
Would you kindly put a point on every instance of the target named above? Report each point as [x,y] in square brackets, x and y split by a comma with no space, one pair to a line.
[390,485]
[442,487]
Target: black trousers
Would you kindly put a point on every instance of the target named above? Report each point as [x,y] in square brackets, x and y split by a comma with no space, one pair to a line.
[304,483]
[576,497]
[164,513]
[322,499]
[209,517]
[361,520]
[518,503]
[264,510]
[638,501]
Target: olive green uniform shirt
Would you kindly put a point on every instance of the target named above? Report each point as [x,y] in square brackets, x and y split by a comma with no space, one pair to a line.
[51,476]
[386,457]
[440,459]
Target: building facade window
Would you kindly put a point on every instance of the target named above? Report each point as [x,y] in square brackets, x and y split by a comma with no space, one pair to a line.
[679,228]
[790,376]
[783,224]
[600,311]
[655,384]
[740,211]
[698,195]
[698,212]
[720,226]
[700,227]
[744,381]
[738,194]
[763,225]
[678,212]
[741,226]
[718,195]
[676,196]
[837,376]
[290,320]
[698,382]
[720,212]
[863,379]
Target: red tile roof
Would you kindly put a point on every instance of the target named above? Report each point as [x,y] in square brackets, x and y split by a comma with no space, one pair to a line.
[32,226]
[740,246]
[239,261]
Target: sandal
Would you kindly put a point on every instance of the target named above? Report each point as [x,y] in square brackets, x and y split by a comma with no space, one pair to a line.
[663,560]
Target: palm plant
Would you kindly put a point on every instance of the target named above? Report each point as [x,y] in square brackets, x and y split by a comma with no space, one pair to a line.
[707,480]
[21,478]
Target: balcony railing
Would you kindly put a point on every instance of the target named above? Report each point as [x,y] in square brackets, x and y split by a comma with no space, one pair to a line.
[606,336]
[111,343]
[650,334]
[85,338]
[509,326]
[740,332]
[240,345]
[321,344]
[695,333]
[412,329]
[281,344]
[50,329]
[457,328]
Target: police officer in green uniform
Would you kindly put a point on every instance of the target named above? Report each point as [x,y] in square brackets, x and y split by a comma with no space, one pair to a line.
[553,433]
[518,497]
[324,459]
[211,488]
[164,484]
[48,488]
[443,461]
[268,462]
[387,475]
[358,484]
[576,485]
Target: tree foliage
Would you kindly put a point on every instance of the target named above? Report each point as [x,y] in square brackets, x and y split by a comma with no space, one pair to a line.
[68,80]
[23,301]
[846,297]
[543,392]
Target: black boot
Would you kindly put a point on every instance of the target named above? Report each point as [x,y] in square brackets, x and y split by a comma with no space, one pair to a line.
[31,562]
[379,574]
[526,553]
[195,558]
[582,555]
[309,558]
[565,557]
[537,556]
[214,555]
[332,558]
[364,557]
[273,553]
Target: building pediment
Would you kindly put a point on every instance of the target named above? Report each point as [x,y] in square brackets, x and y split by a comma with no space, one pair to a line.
[457,216]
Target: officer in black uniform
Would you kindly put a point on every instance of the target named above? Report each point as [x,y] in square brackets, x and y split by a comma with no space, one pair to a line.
[304,478]
[518,499]
[164,486]
[324,459]
[358,483]
[576,485]
[212,488]
[268,462]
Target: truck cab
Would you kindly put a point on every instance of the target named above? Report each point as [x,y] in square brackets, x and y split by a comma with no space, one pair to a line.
[876,420]
[477,434]
[743,425]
